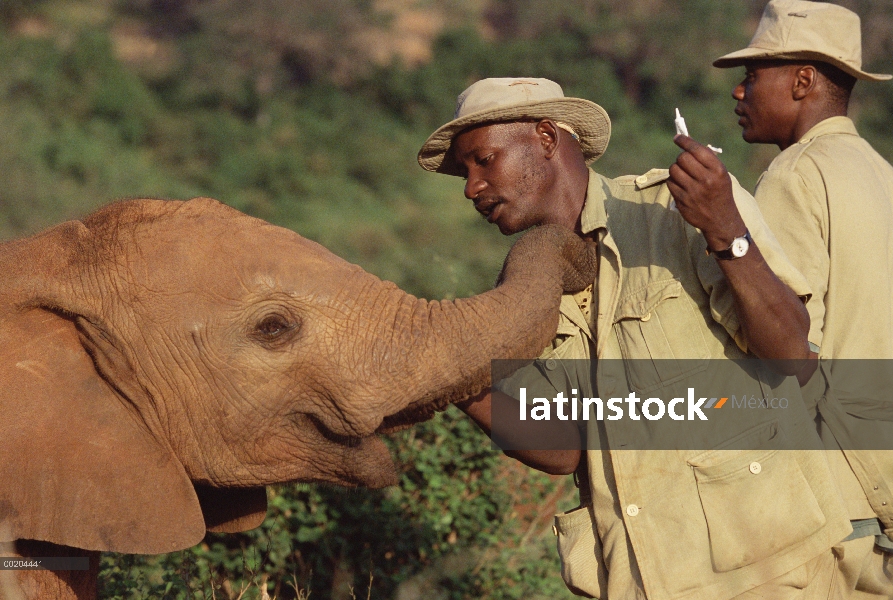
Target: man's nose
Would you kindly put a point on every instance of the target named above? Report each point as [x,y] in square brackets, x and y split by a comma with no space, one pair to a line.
[474,186]
[738,92]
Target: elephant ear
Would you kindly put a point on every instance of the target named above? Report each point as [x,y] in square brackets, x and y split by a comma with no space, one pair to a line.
[77,465]
[225,510]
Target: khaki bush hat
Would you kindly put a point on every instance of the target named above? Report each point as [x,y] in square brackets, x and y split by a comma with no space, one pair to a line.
[502,99]
[803,30]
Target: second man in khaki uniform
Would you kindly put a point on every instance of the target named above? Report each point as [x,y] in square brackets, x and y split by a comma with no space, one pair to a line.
[828,196]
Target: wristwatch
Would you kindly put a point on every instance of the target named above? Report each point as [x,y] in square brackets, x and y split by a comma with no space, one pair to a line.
[737,249]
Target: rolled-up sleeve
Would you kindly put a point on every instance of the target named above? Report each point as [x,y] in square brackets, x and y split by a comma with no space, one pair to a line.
[799,217]
[722,301]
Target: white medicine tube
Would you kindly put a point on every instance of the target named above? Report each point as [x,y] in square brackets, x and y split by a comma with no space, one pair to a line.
[681,129]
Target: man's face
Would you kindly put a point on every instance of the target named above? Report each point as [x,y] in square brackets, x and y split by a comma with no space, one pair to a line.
[507,175]
[765,104]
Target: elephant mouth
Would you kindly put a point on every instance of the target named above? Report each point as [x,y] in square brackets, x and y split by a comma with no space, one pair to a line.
[364,460]
[411,415]
[348,441]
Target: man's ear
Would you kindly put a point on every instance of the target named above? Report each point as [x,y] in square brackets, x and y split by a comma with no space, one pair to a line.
[805,80]
[549,135]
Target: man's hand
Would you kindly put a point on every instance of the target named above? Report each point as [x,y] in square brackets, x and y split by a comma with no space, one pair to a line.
[702,188]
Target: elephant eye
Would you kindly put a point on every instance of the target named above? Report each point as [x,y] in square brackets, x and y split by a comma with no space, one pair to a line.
[273,328]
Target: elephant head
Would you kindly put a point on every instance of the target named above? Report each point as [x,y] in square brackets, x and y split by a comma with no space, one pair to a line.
[162,361]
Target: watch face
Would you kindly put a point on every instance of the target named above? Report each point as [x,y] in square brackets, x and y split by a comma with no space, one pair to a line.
[739,247]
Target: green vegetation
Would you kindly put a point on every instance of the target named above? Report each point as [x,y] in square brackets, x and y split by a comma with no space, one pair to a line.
[309,114]
[463,523]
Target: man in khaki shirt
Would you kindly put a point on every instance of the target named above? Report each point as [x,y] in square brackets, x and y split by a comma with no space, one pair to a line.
[702,523]
[829,198]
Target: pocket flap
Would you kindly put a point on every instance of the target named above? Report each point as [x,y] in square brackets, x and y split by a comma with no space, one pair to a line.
[762,437]
[735,486]
[572,520]
[756,507]
[640,303]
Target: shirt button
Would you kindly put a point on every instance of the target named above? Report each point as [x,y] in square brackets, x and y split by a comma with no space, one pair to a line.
[647,317]
[642,179]
[554,529]
[551,364]
[632,510]
[755,467]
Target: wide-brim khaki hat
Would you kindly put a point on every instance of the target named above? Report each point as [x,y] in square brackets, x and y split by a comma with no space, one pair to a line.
[804,30]
[503,99]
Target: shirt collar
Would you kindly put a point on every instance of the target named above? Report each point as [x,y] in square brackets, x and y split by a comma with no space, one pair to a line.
[594,215]
[831,125]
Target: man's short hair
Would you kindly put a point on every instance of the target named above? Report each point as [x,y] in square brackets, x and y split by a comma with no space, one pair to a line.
[840,84]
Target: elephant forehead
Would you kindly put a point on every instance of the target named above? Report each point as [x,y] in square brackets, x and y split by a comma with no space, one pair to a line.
[274,252]
[236,254]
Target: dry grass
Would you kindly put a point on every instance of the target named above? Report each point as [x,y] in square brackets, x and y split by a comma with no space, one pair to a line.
[259,581]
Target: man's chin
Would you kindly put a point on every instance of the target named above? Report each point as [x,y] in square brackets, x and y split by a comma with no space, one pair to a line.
[751,138]
[509,228]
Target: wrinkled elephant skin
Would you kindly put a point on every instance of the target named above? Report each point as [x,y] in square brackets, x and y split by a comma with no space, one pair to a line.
[161,362]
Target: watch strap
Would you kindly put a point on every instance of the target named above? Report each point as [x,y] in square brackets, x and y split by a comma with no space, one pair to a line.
[726,254]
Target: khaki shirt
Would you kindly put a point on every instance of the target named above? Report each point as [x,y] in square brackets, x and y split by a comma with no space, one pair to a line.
[680,523]
[829,200]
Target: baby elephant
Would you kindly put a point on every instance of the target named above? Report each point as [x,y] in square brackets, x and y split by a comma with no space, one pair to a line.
[161,362]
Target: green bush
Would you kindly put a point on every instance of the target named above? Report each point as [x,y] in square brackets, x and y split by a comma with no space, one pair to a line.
[457,497]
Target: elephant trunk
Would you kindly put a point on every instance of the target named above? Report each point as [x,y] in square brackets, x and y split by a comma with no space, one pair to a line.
[446,348]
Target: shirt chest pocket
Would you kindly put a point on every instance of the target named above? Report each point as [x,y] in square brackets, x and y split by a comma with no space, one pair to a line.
[566,363]
[661,335]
